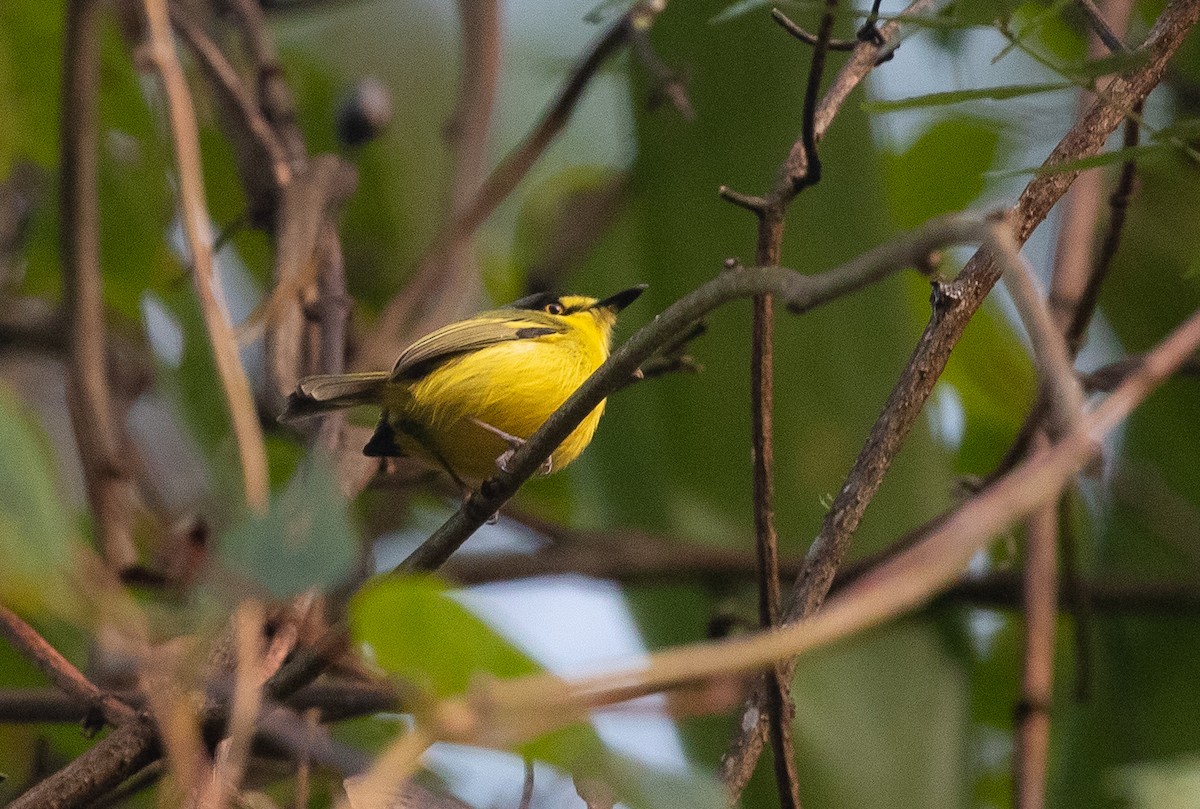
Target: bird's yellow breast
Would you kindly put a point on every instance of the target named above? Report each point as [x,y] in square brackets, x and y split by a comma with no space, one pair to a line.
[513,386]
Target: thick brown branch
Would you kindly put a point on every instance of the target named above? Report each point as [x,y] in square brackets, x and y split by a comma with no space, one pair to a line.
[105,765]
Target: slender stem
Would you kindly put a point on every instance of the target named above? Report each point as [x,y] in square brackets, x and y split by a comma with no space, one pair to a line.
[1051,353]
[1031,735]
[780,708]
[99,433]
[1119,207]
[61,671]
[196,225]
[788,24]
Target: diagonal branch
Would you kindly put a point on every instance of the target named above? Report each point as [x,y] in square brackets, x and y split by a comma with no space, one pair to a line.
[61,671]
[505,713]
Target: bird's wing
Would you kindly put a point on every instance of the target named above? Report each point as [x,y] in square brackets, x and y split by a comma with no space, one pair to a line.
[481,331]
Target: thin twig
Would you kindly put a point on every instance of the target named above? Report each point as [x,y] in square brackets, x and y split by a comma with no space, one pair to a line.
[334,700]
[197,227]
[99,433]
[1100,26]
[792,27]
[307,208]
[246,702]
[333,308]
[1107,377]
[1051,353]
[262,163]
[527,788]
[800,169]
[274,95]
[665,82]
[1031,734]
[26,640]
[1080,210]
[1119,206]
[812,95]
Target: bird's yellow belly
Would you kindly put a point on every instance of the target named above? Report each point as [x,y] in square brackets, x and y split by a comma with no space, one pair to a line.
[514,387]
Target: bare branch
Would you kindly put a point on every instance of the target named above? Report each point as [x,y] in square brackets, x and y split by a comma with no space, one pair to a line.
[61,671]
[1031,735]
[1085,307]
[788,24]
[262,163]
[197,227]
[99,433]
[1051,354]
[1101,28]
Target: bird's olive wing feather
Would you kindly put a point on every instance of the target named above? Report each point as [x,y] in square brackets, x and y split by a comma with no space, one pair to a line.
[480,331]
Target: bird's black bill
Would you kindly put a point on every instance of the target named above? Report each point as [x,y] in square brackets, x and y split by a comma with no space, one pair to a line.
[622,299]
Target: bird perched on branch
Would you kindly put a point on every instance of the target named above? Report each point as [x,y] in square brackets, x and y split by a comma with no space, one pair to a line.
[466,396]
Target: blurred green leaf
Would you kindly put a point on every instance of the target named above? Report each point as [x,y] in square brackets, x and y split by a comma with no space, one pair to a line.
[38,542]
[1104,159]
[942,171]
[1159,784]
[882,721]
[961,96]
[561,220]
[414,629]
[440,645]
[304,540]
[1111,64]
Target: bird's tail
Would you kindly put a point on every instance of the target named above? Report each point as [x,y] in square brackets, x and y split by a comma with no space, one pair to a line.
[320,394]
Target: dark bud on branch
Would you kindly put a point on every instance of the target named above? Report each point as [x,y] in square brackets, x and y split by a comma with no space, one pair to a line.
[364,113]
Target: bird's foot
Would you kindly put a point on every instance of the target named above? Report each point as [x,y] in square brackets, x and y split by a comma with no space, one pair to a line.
[514,444]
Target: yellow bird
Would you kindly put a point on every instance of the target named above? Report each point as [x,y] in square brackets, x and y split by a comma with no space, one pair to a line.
[467,395]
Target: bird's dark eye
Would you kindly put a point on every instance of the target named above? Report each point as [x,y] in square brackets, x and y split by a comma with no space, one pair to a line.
[554,308]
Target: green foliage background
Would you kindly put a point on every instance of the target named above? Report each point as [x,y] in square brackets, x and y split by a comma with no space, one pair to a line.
[915,714]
